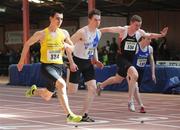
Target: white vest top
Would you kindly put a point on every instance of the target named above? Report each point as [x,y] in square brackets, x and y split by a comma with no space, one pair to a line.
[84,48]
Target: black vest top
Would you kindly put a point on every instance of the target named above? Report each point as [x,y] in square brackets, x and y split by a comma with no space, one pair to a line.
[128,47]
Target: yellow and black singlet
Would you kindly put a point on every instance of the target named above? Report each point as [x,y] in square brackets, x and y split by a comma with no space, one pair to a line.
[52,48]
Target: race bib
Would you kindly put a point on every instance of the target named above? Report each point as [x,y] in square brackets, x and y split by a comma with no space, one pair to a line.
[90,52]
[54,55]
[141,62]
[130,46]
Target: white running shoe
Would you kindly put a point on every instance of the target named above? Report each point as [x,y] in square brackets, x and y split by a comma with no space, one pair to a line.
[131,106]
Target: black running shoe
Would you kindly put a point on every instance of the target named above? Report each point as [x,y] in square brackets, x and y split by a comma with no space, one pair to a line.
[86,118]
[54,95]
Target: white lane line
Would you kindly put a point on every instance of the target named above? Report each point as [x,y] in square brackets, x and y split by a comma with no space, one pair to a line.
[89,123]
[172,126]
[148,118]
[104,102]
[41,122]
[48,104]
[46,112]
[160,115]
[7,127]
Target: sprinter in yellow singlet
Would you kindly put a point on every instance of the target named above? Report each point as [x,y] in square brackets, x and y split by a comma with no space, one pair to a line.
[54,41]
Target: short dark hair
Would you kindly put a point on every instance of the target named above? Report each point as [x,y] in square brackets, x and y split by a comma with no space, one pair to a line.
[54,11]
[141,38]
[93,12]
[136,18]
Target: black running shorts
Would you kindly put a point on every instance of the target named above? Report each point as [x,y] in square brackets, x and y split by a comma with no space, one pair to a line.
[85,67]
[52,72]
[123,66]
[140,73]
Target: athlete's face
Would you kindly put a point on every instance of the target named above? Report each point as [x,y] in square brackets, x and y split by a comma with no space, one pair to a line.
[57,19]
[95,20]
[147,41]
[135,25]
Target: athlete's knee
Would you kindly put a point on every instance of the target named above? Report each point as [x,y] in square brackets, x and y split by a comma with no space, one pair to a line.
[92,88]
[60,84]
[135,76]
[132,74]
[91,85]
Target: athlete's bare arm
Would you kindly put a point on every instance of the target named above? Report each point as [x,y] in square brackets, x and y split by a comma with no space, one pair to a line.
[117,29]
[68,43]
[78,36]
[37,36]
[69,46]
[162,33]
[152,63]
[96,61]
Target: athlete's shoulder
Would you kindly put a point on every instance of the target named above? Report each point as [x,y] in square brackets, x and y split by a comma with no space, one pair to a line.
[82,30]
[65,32]
[40,34]
[141,31]
[121,28]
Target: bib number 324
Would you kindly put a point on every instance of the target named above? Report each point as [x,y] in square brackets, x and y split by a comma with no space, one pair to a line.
[54,55]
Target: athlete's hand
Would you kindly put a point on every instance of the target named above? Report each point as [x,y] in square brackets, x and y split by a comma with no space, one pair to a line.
[97,63]
[164,31]
[20,66]
[73,67]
